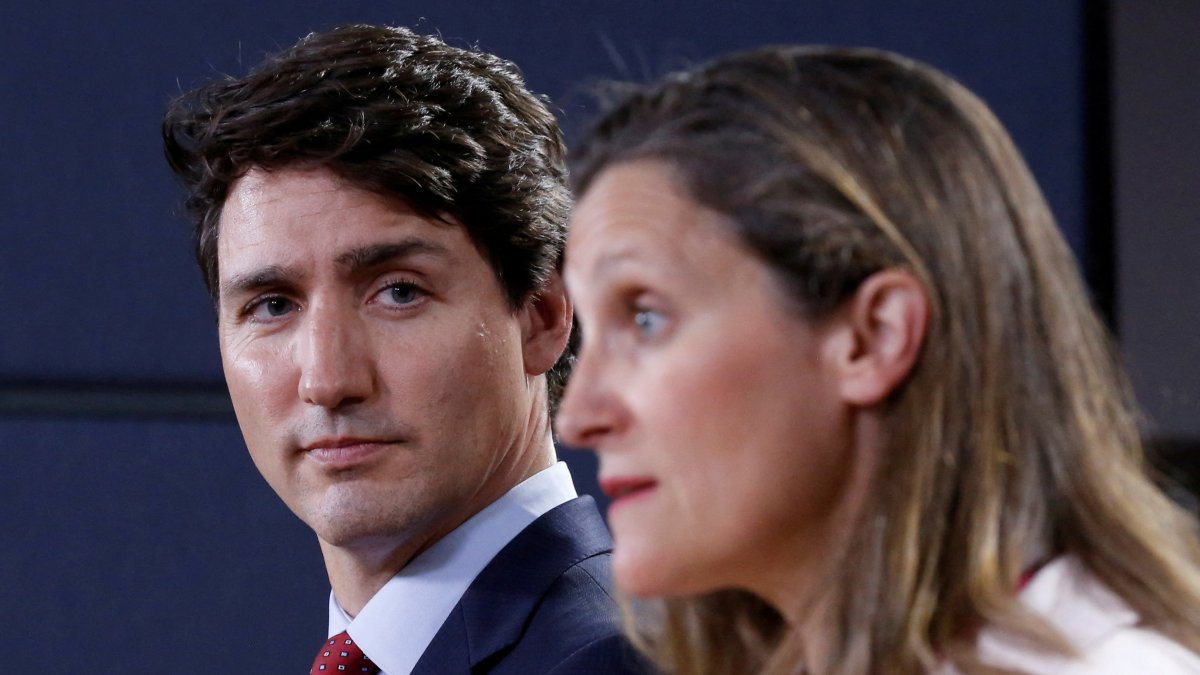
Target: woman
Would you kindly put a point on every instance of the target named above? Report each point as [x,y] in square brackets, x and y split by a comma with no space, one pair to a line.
[850,400]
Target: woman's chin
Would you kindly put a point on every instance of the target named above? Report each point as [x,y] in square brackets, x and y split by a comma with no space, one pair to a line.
[638,576]
[653,575]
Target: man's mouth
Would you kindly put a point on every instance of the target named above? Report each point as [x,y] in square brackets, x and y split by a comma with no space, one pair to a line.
[342,453]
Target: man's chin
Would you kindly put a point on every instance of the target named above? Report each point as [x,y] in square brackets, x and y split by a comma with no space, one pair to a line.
[351,535]
[354,519]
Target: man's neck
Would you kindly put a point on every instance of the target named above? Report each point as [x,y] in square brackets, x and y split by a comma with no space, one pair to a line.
[358,571]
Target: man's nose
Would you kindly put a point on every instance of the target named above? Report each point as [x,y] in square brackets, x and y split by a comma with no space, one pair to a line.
[590,411]
[334,358]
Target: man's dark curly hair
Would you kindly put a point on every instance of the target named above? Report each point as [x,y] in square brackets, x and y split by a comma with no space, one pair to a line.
[448,131]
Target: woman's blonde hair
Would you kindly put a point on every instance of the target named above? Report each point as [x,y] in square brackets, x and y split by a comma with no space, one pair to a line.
[1013,439]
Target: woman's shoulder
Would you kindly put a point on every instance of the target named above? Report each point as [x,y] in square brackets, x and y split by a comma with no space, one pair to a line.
[1101,626]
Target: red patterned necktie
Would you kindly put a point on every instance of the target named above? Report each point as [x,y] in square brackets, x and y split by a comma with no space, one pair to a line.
[340,655]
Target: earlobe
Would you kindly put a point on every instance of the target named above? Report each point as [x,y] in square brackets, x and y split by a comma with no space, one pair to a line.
[545,325]
[887,321]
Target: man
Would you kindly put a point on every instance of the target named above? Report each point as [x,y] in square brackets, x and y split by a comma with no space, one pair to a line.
[379,218]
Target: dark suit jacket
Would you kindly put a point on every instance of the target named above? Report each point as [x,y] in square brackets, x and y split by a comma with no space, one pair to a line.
[542,605]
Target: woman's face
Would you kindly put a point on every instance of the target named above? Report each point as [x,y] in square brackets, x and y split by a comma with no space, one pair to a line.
[710,401]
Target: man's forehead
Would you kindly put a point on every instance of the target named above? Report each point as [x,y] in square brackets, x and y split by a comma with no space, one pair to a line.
[313,191]
[297,192]
[287,217]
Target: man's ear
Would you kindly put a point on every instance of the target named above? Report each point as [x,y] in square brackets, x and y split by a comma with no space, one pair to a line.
[546,325]
[882,332]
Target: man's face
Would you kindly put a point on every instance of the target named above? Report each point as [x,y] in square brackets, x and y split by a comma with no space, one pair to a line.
[375,367]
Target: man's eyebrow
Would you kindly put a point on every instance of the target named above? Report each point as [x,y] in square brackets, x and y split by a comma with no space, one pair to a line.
[366,257]
[352,261]
[263,277]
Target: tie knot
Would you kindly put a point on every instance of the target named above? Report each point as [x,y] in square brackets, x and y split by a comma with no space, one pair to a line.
[339,654]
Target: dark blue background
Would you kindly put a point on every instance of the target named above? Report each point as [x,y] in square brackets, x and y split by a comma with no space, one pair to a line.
[139,537]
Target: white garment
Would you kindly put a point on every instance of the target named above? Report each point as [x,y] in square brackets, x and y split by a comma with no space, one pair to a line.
[400,620]
[1101,626]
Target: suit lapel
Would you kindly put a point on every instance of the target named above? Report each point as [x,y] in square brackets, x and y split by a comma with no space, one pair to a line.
[492,614]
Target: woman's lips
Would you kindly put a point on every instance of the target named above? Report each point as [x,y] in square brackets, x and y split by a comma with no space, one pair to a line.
[626,490]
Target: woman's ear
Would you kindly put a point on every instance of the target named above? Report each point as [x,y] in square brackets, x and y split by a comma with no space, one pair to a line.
[882,332]
[546,325]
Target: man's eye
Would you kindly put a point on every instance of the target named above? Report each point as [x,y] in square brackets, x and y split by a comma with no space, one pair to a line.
[403,293]
[271,308]
[278,306]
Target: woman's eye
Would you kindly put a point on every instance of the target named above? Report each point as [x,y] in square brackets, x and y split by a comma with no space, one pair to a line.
[650,323]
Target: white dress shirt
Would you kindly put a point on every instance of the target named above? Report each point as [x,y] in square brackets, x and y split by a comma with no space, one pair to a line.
[398,623]
[1102,627]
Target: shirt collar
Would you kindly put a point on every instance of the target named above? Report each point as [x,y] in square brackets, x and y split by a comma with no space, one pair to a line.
[1075,602]
[1072,601]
